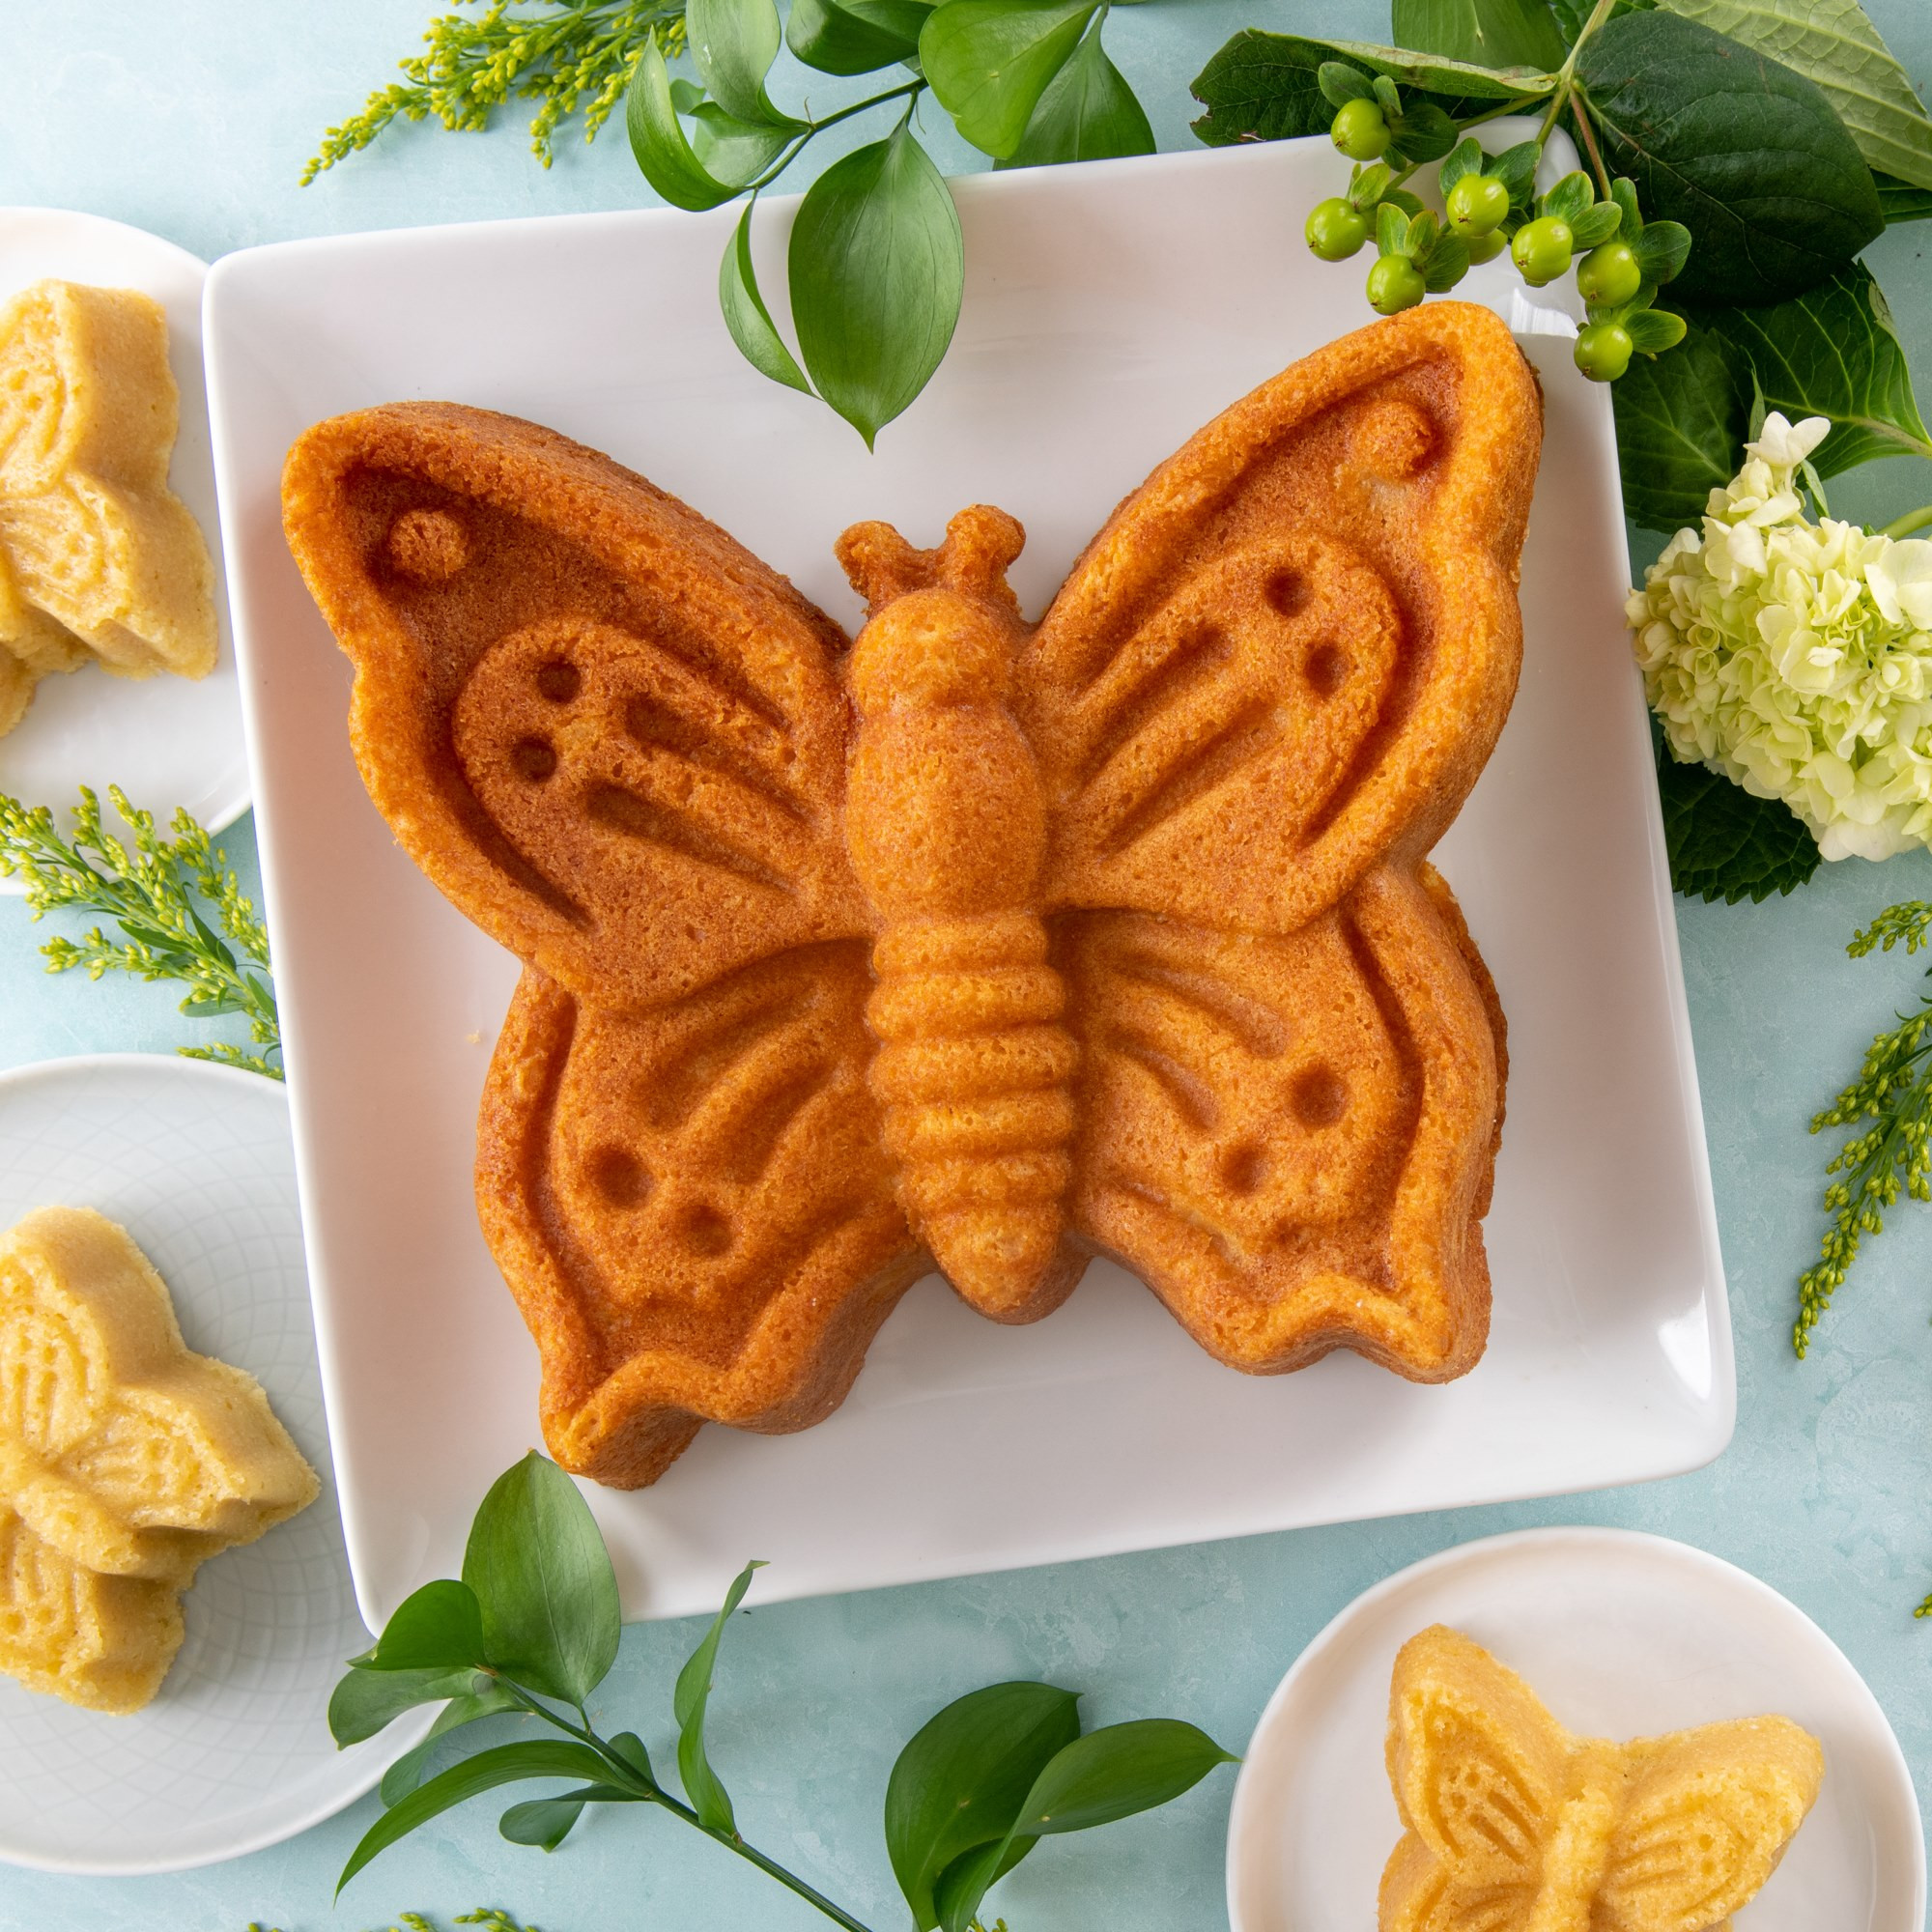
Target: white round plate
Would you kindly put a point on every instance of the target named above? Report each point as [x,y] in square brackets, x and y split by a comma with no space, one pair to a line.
[1621,1636]
[233,1752]
[165,741]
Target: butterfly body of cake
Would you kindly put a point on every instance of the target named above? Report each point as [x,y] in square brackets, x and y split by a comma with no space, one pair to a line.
[969,941]
[1513,1825]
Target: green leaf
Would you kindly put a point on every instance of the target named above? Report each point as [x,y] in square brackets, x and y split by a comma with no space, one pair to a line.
[365,1701]
[1422,133]
[406,1774]
[506,1764]
[960,1781]
[544,1822]
[1263,87]
[737,152]
[1466,158]
[1681,425]
[1901,201]
[1724,844]
[1488,33]
[1393,226]
[989,61]
[1116,1772]
[746,315]
[877,269]
[1340,83]
[1662,249]
[631,1749]
[1444,263]
[1570,197]
[733,43]
[1747,154]
[1088,113]
[707,1796]
[437,1628]
[855,36]
[968,1879]
[1653,331]
[1516,168]
[1596,225]
[657,140]
[537,1562]
[1834,43]
[1833,352]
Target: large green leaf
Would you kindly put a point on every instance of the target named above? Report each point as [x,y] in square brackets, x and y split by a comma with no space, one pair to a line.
[734,151]
[1723,843]
[657,140]
[506,1764]
[1263,87]
[960,1781]
[437,1627]
[877,267]
[537,1562]
[1681,425]
[1116,1772]
[733,43]
[1488,33]
[689,1703]
[1088,113]
[855,36]
[1750,156]
[989,61]
[1833,352]
[1833,43]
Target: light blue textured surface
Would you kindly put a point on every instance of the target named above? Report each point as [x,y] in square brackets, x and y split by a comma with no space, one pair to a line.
[193,118]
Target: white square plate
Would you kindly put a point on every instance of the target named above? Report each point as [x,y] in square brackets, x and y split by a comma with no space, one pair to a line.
[1110,310]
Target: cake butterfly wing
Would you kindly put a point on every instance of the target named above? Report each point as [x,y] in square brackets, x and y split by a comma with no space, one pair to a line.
[1297,642]
[606,731]
[1708,1816]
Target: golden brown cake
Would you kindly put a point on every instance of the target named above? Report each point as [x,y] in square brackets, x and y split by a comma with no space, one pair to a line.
[1512,1824]
[126,1461]
[99,560]
[994,944]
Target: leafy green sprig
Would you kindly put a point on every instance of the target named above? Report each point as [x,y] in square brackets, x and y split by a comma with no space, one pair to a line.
[532,1628]
[569,56]
[1894,1090]
[492,1917]
[155,889]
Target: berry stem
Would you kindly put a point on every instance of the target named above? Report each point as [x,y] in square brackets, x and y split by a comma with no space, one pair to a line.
[1580,115]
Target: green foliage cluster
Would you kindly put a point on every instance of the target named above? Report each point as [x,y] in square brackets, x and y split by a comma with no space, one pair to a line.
[161,894]
[531,1628]
[1724,844]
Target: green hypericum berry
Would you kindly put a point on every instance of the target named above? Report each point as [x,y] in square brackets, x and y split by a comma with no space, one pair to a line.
[1336,229]
[1604,350]
[1610,276]
[1360,131]
[1395,283]
[1542,250]
[1486,247]
[1477,203]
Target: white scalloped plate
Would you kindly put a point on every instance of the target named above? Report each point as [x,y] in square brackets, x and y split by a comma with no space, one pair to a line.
[1622,1636]
[234,1753]
[167,741]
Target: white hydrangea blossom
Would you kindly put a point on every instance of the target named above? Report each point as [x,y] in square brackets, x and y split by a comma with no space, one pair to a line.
[1797,657]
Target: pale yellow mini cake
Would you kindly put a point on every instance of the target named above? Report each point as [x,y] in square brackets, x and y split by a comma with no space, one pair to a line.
[125,1458]
[99,560]
[1516,1825]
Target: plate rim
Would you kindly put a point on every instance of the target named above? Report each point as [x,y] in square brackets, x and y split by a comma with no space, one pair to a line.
[241,798]
[412,1726]
[1553,1537]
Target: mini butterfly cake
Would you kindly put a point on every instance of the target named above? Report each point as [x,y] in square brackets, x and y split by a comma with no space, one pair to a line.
[98,560]
[971,942]
[1516,1825]
[125,1462]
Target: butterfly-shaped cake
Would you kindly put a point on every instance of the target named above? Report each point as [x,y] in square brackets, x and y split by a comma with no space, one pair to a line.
[1512,1824]
[125,1462]
[968,942]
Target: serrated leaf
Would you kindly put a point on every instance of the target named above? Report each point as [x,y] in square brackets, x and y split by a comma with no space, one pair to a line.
[746,315]
[960,1781]
[1749,155]
[1833,352]
[505,1764]
[688,1702]
[989,61]
[855,36]
[658,142]
[1088,113]
[537,1563]
[1834,43]
[877,269]
[1488,33]
[1681,423]
[1724,844]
